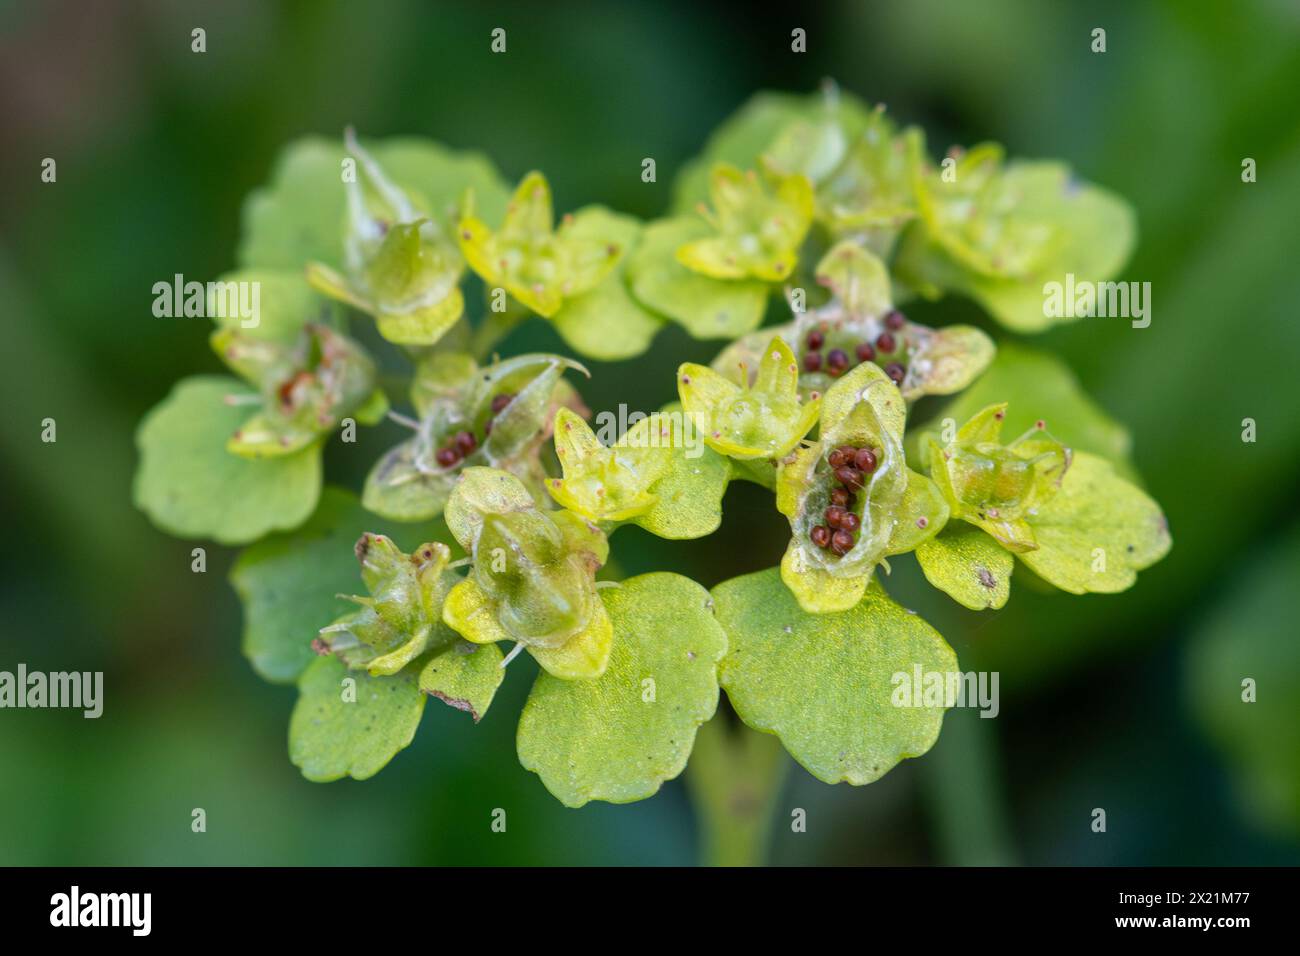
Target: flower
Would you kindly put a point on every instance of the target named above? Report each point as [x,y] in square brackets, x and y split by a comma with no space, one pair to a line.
[533,576]
[894,508]
[304,388]
[402,267]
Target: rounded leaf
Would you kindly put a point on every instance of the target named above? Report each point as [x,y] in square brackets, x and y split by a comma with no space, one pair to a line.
[341,730]
[191,486]
[827,684]
[619,737]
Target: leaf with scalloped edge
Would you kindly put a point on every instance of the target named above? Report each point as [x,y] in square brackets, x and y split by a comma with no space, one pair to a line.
[708,308]
[826,683]
[1097,531]
[464,676]
[291,584]
[968,565]
[688,495]
[191,486]
[619,737]
[331,736]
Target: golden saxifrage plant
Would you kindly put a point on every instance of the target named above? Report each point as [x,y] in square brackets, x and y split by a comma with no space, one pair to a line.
[484,532]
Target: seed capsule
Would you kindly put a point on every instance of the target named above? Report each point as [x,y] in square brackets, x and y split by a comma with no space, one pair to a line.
[865,352]
[895,320]
[896,372]
[835,516]
[841,542]
[499,402]
[465,442]
[447,457]
[821,536]
[864,459]
[816,339]
[885,342]
[849,477]
[812,361]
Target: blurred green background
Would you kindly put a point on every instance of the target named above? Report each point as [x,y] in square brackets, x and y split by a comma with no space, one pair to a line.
[1130,702]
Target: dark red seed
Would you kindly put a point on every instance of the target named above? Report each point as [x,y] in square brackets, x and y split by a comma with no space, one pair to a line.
[841,542]
[896,372]
[816,339]
[465,442]
[849,477]
[447,456]
[837,457]
[834,516]
[865,352]
[849,522]
[501,401]
[838,360]
[865,460]
[840,496]
[821,536]
[895,320]
[812,361]
[885,342]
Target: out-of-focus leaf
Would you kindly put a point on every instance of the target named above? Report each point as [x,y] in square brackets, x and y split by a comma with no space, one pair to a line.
[708,308]
[300,216]
[606,323]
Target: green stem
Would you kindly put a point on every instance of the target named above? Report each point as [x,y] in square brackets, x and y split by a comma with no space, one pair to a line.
[962,787]
[495,327]
[734,779]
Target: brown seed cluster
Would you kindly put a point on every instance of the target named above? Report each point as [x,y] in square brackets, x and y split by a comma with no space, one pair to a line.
[463,443]
[851,466]
[886,350]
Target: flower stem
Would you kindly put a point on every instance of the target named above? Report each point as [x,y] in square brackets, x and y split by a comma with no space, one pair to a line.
[734,779]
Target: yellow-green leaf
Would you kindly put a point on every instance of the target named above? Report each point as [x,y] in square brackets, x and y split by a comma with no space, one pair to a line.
[464,676]
[968,565]
[829,685]
[349,724]
[620,736]
[191,486]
